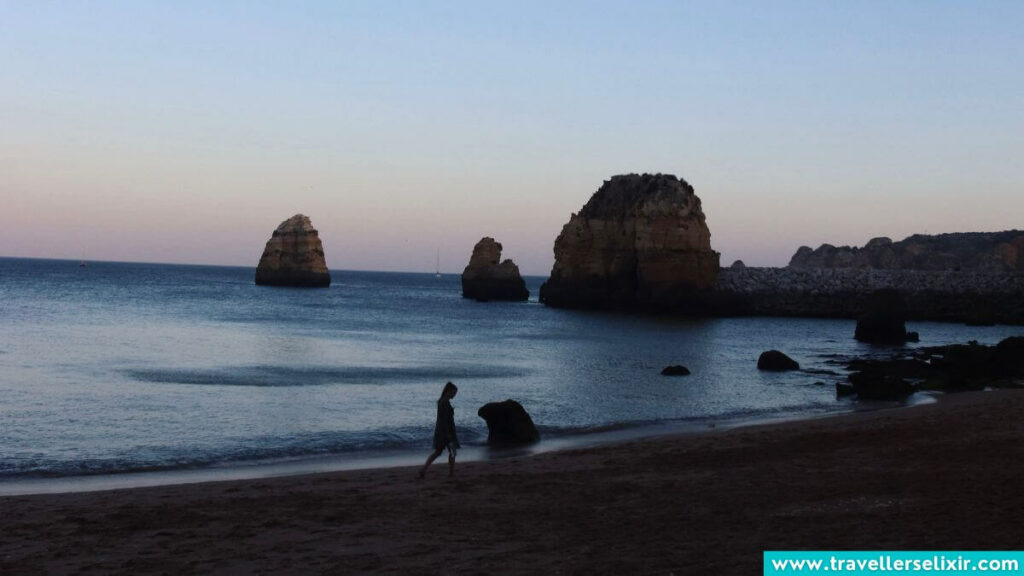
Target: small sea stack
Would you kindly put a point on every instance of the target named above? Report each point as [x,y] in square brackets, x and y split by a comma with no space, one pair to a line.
[884,320]
[486,279]
[641,241]
[294,256]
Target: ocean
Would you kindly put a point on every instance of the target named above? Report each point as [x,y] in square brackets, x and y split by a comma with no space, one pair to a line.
[120,369]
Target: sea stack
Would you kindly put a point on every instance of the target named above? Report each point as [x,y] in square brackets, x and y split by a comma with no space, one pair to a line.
[641,241]
[485,279]
[884,319]
[294,256]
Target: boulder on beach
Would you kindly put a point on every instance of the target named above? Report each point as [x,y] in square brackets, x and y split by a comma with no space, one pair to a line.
[775,361]
[675,370]
[294,256]
[487,278]
[641,241]
[884,319]
[508,423]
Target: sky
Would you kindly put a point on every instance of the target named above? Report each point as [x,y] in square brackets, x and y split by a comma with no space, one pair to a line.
[185,132]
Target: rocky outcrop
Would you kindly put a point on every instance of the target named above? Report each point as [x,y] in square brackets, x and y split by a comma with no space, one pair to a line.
[641,241]
[486,279]
[294,256]
[508,423]
[775,361]
[982,251]
[880,386]
[884,320]
[952,368]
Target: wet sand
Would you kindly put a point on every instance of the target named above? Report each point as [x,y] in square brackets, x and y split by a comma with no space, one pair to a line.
[939,476]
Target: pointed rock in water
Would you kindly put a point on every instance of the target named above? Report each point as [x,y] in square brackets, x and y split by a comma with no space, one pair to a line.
[294,256]
[640,241]
[485,279]
[508,423]
[775,361]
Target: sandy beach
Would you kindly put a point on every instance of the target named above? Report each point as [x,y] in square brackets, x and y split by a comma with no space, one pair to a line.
[939,476]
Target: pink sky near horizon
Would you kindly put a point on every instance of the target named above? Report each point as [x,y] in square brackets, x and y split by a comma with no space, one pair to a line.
[189,135]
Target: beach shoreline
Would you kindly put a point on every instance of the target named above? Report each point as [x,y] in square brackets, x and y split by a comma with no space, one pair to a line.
[346,462]
[940,476]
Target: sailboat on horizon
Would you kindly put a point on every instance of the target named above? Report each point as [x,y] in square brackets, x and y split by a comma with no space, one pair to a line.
[437,272]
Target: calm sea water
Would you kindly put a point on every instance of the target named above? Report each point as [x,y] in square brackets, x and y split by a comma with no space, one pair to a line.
[128,367]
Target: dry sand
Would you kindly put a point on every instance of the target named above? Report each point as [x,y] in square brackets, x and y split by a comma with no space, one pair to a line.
[941,476]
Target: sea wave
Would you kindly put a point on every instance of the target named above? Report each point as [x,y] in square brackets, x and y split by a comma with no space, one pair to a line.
[260,450]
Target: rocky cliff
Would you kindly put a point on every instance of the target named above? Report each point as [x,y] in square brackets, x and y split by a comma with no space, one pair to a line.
[294,256]
[982,251]
[486,279]
[641,241]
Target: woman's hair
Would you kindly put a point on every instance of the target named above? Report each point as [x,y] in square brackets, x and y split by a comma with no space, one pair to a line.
[449,387]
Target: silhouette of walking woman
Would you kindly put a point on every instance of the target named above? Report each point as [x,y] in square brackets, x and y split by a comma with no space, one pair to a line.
[444,430]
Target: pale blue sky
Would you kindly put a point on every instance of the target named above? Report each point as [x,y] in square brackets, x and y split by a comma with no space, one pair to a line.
[185,132]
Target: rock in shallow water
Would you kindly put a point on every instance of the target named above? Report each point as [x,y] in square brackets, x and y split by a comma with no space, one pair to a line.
[676,370]
[880,386]
[884,320]
[508,423]
[294,256]
[775,361]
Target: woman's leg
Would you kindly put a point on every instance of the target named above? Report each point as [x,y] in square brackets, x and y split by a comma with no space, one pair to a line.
[430,460]
[451,463]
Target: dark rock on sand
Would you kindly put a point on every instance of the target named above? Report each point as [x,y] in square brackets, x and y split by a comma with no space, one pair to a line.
[294,256]
[641,241]
[884,320]
[486,279]
[676,370]
[508,423]
[775,361]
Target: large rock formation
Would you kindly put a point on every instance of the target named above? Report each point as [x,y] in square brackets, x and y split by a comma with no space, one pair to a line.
[981,251]
[640,241]
[485,279]
[294,256]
